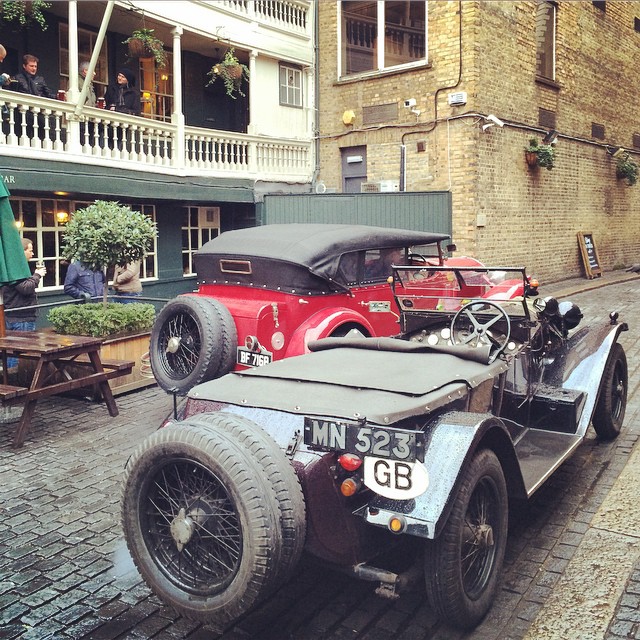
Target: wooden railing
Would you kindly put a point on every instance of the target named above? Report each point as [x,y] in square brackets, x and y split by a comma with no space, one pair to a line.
[42,128]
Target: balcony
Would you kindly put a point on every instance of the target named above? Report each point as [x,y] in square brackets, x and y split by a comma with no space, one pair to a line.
[43,129]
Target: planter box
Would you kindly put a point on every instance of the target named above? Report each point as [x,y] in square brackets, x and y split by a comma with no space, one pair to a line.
[130,347]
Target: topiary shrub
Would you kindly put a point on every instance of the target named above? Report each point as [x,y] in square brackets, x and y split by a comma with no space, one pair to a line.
[99,321]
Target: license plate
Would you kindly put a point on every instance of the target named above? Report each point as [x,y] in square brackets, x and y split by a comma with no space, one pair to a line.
[395,479]
[364,440]
[249,358]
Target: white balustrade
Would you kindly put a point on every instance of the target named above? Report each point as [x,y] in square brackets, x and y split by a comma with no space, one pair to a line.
[42,128]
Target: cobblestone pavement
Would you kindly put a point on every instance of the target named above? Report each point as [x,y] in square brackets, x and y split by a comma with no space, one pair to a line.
[65,572]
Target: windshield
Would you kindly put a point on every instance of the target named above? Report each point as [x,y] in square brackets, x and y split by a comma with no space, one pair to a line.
[433,289]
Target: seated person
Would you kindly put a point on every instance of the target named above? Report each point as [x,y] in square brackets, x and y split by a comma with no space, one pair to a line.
[381,267]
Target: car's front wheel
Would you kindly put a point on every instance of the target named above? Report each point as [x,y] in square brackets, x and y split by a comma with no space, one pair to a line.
[463,564]
[612,402]
[202,522]
[193,339]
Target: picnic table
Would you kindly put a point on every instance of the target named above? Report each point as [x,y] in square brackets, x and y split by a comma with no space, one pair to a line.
[63,363]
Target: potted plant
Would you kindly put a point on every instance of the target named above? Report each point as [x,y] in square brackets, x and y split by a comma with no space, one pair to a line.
[24,13]
[103,235]
[144,43]
[626,169]
[541,155]
[231,71]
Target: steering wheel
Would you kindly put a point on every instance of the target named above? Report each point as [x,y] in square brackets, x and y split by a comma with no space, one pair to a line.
[416,258]
[469,327]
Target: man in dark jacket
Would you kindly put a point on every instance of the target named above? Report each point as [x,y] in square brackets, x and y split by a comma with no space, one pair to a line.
[82,282]
[27,80]
[122,96]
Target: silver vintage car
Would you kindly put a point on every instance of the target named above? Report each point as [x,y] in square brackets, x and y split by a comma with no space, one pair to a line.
[366,443]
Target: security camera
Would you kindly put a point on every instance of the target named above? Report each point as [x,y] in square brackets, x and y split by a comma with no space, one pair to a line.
[495,120]
[409,103]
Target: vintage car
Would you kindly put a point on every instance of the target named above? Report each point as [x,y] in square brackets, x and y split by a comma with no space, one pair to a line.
[264,292]
[424,439]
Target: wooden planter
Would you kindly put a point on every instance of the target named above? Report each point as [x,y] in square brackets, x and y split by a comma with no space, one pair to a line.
[133,347]
[532,158]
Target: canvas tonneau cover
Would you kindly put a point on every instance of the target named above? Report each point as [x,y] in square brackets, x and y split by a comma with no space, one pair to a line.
[315,248]
[354,383]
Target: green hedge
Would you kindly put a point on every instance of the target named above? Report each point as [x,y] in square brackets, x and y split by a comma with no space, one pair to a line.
[95,320]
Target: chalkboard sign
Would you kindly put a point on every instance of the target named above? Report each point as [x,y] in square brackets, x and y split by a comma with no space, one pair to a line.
[589,253]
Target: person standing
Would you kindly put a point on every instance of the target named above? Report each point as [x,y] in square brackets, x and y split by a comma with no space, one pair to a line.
[83,283]
[4,78]
[20,300]
[121,96]
[126,282]
[28,80]
[90,100]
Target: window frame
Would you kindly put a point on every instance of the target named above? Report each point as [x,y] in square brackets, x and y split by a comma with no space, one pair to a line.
[546,44]
[287,90]
[55,263]
[101,79]
[202,228]
[380,51]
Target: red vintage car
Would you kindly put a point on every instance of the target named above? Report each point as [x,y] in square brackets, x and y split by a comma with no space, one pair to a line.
[265,292]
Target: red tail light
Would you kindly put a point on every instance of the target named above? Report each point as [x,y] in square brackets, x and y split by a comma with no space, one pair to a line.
[349,461]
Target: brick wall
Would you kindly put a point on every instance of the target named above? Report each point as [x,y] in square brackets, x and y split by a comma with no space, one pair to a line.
[503,211]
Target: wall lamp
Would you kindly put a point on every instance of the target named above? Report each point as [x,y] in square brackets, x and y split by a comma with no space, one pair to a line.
[616,152]
[551,137]
[62,217]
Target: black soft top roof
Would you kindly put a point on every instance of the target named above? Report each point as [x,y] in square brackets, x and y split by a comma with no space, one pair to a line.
[315,247]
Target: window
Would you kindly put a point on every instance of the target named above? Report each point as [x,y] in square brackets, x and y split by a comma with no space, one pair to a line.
[290,86]
[156,87]
[86,45]
[546,40]
[400,26]
[200,224]
[43,222]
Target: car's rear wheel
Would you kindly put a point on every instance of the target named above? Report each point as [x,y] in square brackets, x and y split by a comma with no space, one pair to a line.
[193,339]
[463,564]
[277,472]
[204,533]
[612,402]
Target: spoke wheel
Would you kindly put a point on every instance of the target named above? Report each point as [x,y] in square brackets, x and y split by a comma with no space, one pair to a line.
[463,564]
[203,526]
[612,401]
[193,339]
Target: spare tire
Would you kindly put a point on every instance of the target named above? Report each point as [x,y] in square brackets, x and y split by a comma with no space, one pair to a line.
[193,339]
[278,472]
[201,522]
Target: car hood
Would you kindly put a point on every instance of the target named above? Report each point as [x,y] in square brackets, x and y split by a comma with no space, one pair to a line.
[384,382]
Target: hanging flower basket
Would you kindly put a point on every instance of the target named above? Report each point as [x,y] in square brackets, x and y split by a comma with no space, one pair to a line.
[143,44]
[136,48]
[532,158]
[232,72]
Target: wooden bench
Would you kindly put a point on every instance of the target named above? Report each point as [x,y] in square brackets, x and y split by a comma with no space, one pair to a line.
[10,392]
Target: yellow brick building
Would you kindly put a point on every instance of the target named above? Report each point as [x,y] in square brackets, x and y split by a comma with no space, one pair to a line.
[412,114]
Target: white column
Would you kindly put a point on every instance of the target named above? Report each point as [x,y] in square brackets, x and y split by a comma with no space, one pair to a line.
[177,117]
[72,90]
[253,97]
